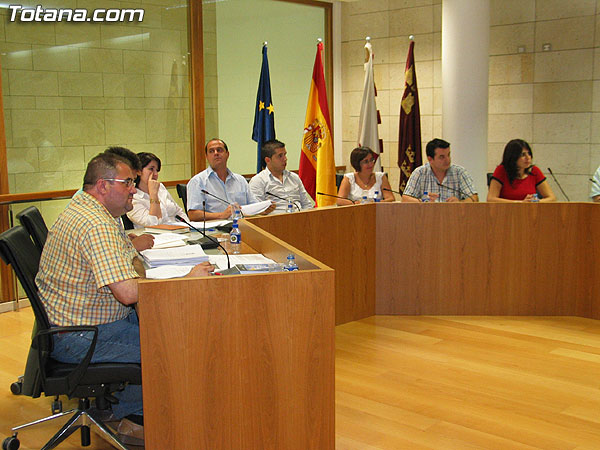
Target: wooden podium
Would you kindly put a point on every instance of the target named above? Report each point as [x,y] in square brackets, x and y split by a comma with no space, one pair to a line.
[240,362]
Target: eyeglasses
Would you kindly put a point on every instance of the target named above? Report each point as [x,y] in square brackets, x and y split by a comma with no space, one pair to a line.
[128,182]
[367,161]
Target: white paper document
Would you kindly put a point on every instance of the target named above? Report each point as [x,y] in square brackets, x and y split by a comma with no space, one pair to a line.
[255,208]
[166,240]
[168,271]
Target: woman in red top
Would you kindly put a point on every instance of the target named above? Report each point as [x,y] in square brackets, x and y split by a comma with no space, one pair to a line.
[516,179]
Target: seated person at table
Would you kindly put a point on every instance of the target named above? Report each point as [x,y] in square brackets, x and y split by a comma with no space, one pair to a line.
[442,180]
[140,241]
[363,181]
[221,182]
[595,191]
[152,203]
[276,180]
[88,275]
[516,179]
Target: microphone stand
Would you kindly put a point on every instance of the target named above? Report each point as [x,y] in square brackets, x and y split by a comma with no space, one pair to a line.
[460,192]
[391,190]
[336,196]
[210,238]
[558,184]
[284,199]
[204,191]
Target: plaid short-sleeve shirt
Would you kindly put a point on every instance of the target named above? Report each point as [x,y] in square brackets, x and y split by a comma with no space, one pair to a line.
[87,249]
[457,183]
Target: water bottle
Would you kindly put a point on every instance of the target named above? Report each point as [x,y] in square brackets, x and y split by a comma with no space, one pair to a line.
[535,198]
[235,238]
[364,199]
[425,198]
[290,207]
[237,215]
[376,197]
[291,263]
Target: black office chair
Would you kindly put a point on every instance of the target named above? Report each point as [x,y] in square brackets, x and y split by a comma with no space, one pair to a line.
[127,223]
[182,192]
[489,175]
[32,220]
[338,180]
[43,374]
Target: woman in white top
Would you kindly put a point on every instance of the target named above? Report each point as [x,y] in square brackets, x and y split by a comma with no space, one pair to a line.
[152,203]
[364,182]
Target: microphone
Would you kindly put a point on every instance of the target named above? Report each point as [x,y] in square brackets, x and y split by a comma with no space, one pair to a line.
[391,190]
[558,184]
[335,196]
[204,191]
[453,189]
[210,238]
[284,199]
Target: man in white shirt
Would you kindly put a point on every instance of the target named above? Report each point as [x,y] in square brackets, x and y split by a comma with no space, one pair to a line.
[284,185]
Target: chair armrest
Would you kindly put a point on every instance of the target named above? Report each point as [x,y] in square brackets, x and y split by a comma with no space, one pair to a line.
[76,375]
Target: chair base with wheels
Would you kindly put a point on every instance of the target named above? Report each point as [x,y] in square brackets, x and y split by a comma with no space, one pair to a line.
[46,375]
[82,418]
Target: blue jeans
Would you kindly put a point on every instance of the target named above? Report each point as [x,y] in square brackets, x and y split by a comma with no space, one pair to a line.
[117,342]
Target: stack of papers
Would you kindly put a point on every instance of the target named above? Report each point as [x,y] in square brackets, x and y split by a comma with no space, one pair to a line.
[189,255]
[220,261]
[167,240]
[166,272]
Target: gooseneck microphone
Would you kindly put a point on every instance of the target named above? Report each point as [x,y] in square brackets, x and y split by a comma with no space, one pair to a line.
[284,199]
[334,196]
[391,190]
[204,191]
[459,191]
[558,184]
[210,238]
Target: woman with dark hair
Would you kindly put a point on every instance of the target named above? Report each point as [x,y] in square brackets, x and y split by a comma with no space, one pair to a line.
[363,181]
[152,203]
[516,179]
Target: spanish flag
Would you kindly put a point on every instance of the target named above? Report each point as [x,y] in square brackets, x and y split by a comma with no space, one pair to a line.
[317,164]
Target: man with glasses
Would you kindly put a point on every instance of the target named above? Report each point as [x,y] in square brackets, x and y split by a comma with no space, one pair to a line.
[442,180]
[221,182]
[88,275]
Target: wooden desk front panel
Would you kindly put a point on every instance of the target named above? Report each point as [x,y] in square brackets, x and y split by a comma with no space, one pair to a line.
[491,259]
[342,238]
[240,362]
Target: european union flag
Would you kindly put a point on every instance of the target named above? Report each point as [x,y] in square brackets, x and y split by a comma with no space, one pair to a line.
[264,116]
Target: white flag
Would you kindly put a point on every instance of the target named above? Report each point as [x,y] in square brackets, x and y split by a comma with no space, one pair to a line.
[368,136]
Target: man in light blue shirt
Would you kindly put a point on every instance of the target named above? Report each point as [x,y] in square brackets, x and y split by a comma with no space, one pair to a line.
[218,180]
